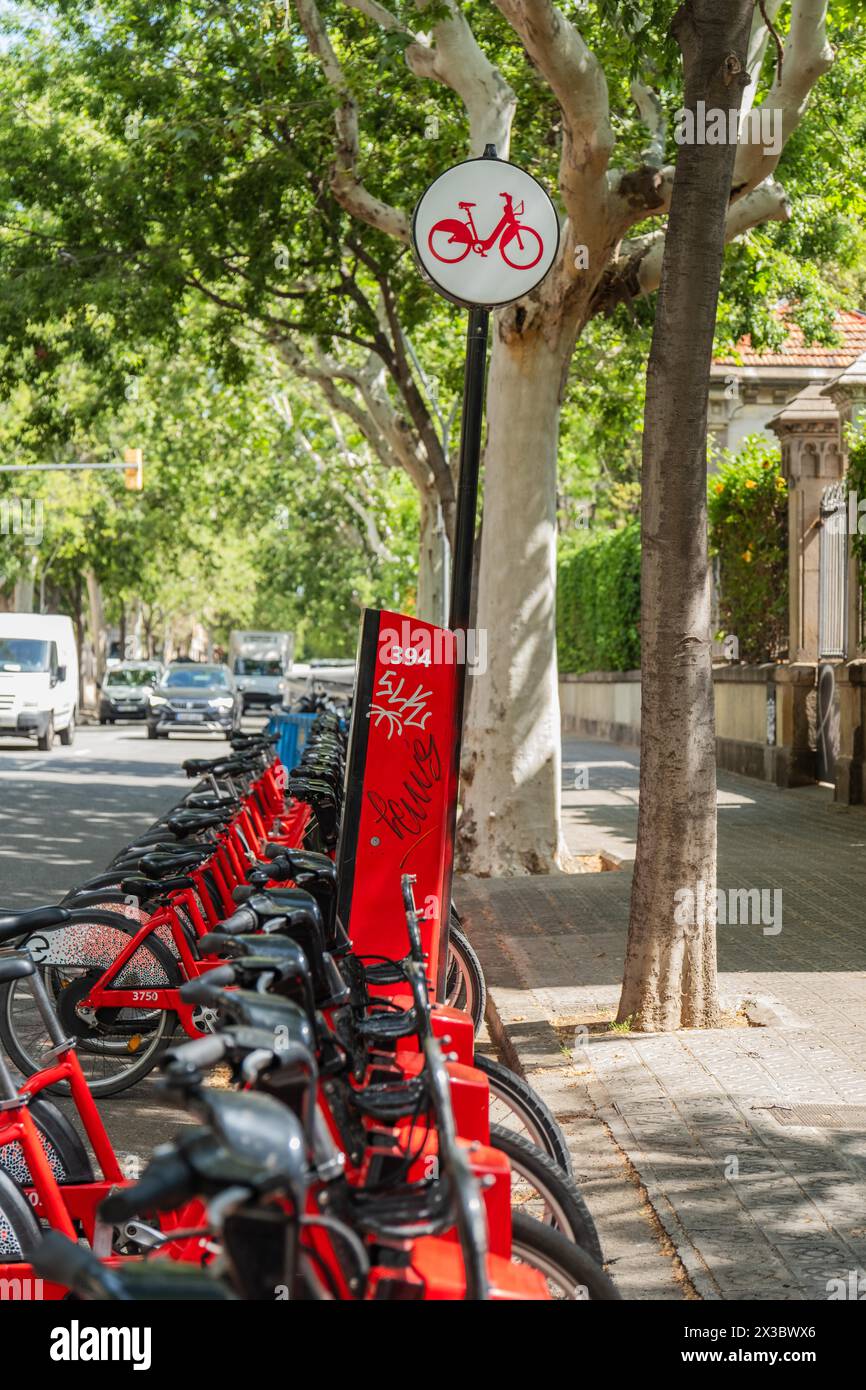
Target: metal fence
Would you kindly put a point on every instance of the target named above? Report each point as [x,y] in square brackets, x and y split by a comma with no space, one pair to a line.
[833,573]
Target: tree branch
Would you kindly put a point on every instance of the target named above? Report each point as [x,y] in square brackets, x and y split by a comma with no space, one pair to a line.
[577,80]
[371,531]
[379,15]
[652,114]
[347,187]
[457,61]
[768,203]
[808,55]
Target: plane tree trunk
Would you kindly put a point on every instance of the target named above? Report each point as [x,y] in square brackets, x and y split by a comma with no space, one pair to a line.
[670,968]
[512,765]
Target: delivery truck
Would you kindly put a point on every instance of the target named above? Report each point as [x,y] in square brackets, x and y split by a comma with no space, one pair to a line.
[261,663]
[38,677]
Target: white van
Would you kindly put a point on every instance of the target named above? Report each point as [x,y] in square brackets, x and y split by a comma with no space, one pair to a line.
[38,677]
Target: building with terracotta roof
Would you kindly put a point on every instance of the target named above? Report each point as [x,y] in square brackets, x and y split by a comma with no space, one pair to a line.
[803,719]
[749,386]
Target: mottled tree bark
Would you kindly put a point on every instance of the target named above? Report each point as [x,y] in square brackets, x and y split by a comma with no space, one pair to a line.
[670,969]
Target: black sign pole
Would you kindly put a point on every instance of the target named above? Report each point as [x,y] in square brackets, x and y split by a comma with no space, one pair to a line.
[470,465]
[471,428]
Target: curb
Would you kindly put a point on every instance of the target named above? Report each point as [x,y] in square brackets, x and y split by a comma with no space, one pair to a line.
[605,1110]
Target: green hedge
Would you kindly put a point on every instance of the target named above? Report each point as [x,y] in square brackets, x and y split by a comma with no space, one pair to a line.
[857,484]
[748,516]
[598,602]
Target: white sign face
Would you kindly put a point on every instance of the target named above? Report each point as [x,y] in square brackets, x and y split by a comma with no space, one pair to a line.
[485,232]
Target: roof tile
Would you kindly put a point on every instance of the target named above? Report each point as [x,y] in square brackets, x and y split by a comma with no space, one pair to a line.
[850,325]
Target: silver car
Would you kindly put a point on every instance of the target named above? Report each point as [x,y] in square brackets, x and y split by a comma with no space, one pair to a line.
[126,690]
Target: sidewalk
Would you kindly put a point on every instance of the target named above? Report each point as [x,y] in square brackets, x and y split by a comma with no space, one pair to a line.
[728,1163]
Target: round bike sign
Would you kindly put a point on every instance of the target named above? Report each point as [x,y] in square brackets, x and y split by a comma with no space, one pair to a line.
[485,232]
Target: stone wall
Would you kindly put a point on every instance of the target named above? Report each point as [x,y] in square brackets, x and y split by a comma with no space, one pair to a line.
[767,720]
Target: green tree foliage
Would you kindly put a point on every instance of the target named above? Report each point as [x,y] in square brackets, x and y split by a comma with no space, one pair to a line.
[598,602]
[149,156]
[857,484]
[154,158]
[748,515]
[239,523]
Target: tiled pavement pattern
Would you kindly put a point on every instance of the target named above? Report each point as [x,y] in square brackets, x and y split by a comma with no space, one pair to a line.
[755,1208]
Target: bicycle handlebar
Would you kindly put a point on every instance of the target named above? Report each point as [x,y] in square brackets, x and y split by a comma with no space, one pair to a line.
[64,1262]
[243,920]
[205,988]
[198,1054]
[165,1183]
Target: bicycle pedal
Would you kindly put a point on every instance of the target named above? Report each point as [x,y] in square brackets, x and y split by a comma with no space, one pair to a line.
[390,1103]
[385,973]
[388,1025]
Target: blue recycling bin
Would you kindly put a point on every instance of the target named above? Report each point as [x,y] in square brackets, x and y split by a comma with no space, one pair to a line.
[292,729]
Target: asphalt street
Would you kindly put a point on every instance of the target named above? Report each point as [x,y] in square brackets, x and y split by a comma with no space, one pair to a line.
[63,816]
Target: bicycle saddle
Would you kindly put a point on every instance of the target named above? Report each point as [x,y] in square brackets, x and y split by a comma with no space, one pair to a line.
[145,888]
[189,821]
[15,968]
[220,767]
[14,924]
[157,865]
[206,801]
[244,741]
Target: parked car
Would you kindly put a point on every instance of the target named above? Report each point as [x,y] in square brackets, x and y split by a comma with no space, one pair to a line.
[38,677]
[126,690]
[194,696]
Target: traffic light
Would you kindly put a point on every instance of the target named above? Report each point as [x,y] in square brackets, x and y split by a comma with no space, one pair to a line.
[133,473]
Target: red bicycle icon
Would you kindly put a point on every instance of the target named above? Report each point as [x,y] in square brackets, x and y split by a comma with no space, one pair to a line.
[520,246]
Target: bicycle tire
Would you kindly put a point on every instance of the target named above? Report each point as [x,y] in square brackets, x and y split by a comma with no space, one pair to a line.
[107,1086]
[513,236]
[564,1199]
[466,987]
[66,1154]
[576,1274]
[19,1230]
[515,1093]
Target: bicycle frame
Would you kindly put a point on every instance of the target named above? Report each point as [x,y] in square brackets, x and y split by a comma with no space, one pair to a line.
[227,865]
[508,219]
[65,1205]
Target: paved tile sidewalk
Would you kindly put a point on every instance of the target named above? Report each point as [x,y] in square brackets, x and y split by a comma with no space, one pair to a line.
[752,1207]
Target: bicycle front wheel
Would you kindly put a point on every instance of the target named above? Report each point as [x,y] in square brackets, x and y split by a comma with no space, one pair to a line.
[465,987]
[541,1190]
[522,248]
[570,1272]
[518,1108]
[119,1046]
